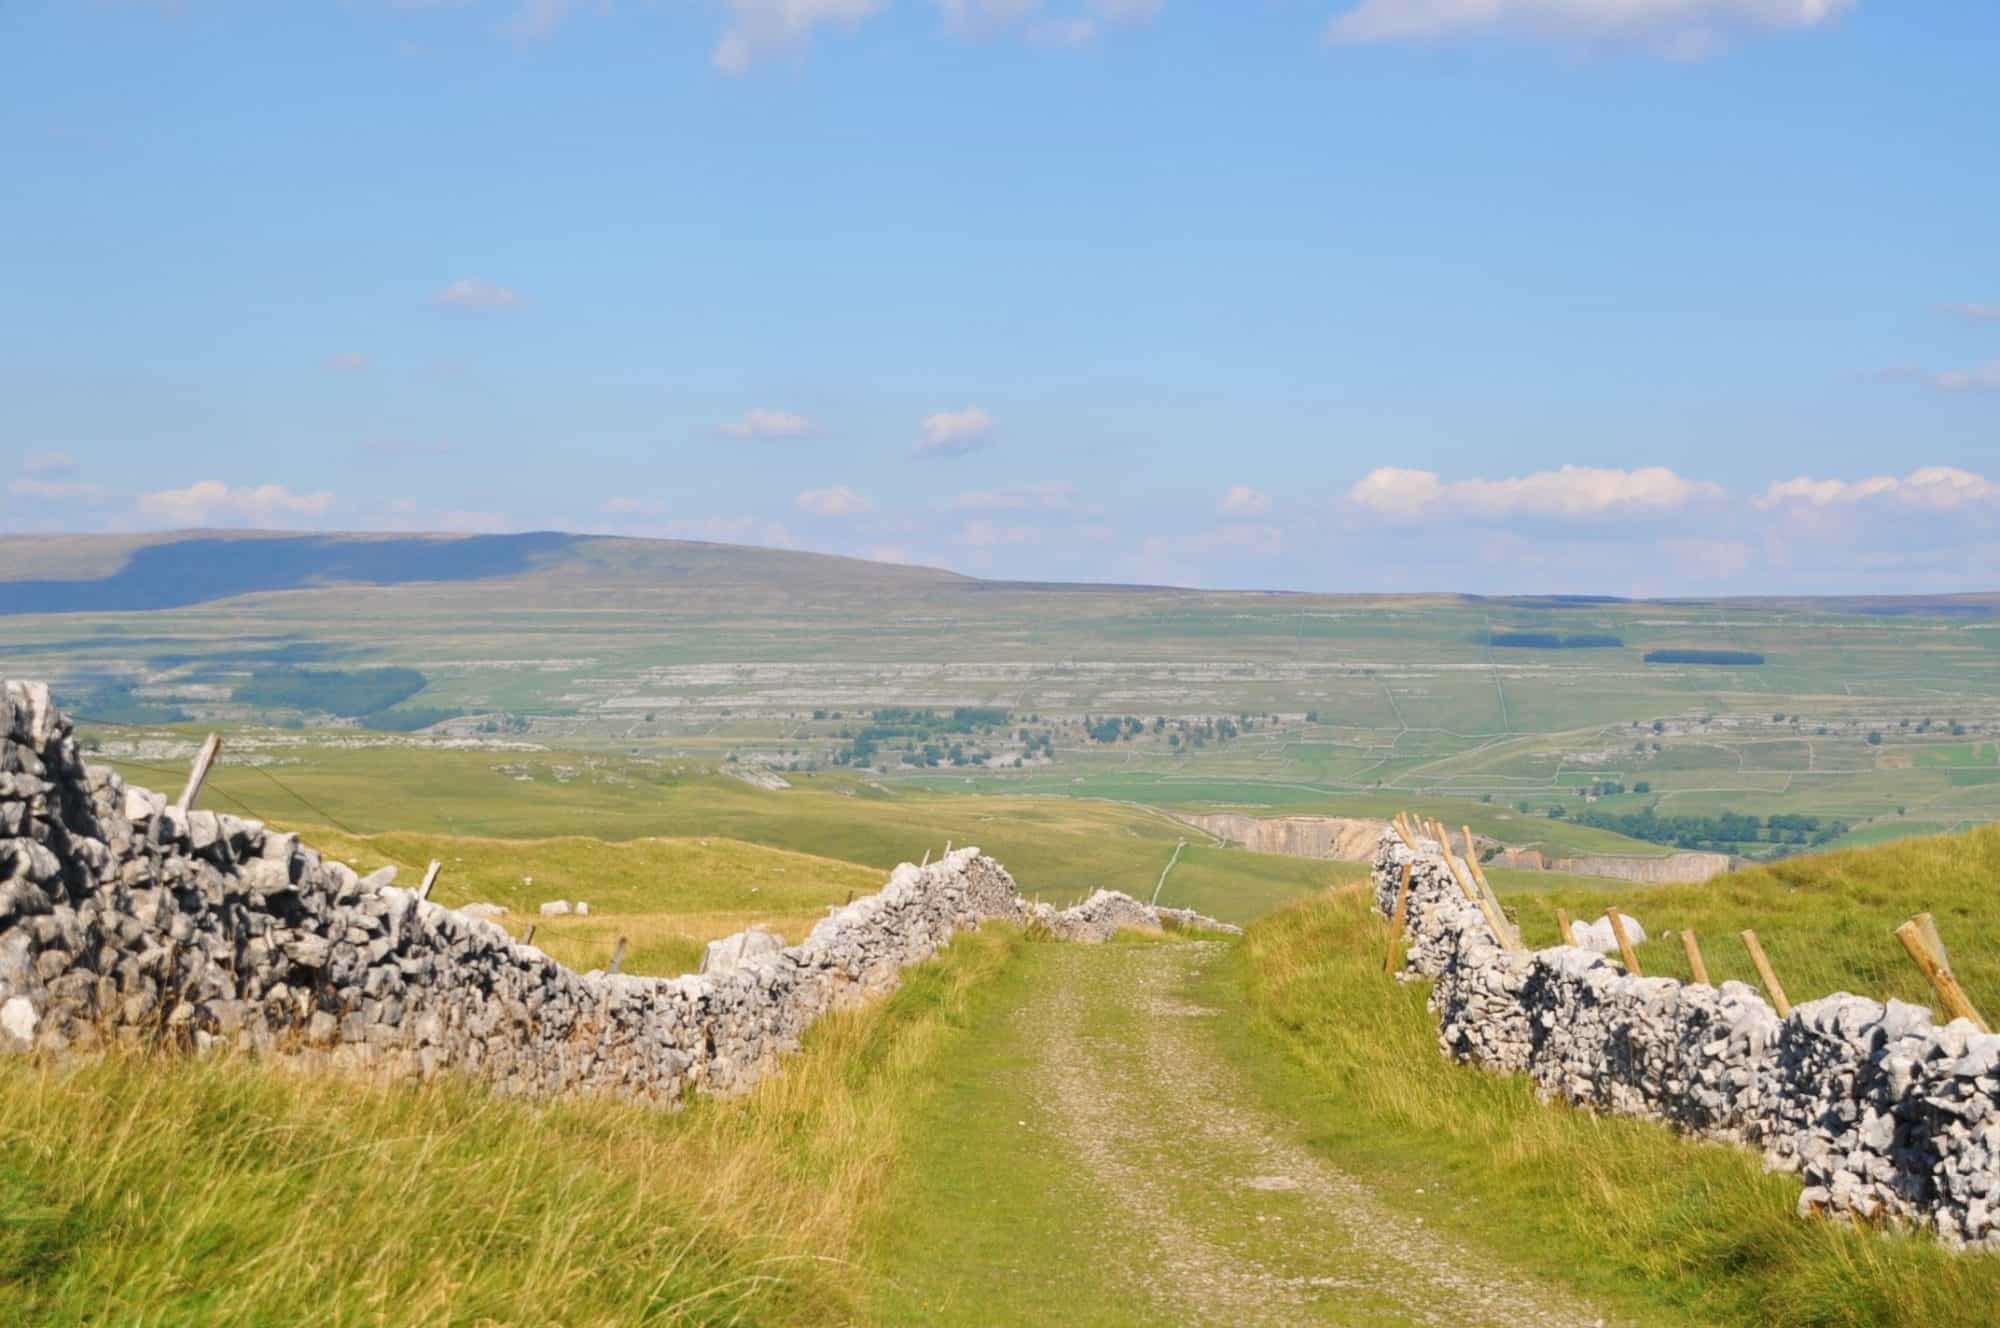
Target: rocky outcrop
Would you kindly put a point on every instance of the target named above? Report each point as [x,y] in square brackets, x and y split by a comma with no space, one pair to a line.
[1683,868]
[1340,838]
[126,921]
[1350,839]
[1884,1114]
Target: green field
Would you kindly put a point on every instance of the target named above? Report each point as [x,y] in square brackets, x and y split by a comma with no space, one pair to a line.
[1869,712]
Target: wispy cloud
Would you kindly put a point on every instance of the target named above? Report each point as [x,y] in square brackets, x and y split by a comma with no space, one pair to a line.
[1972,311]
[347,361]
[475,293]
[204,499]
[1981,378]
[759,29]
[761,423]
[48,463]
[58,491]
[839,501]
[1932,488]
[1242,500]
[949,433]
[1079,27]
[1569,491]
[1678,29]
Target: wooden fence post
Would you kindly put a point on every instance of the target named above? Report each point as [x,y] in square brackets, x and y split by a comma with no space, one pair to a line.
[1486,886]
[204,761]
[1693,949]
[1565,933]
[1624,943]
[617,956]
[430,879]
[529,937]
[1396,922]
[1778,1000]
[1956,1003]
[1932,939]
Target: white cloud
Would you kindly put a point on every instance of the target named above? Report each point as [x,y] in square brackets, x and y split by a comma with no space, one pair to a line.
[1242,500]
[203,499]
[837,501]
[1985,377]
[955,432]
[761,28]
[57,491]
[981,18]
[347,361]
[975,17]
[760,423]
[474,293]
[1570,491]
[1055,496]
[1972,311]
[48,463]
[1932,488]
[1680,29]
[533,20]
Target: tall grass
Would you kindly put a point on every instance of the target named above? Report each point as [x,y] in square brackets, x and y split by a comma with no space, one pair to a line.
[1665,1226]
[230,1191]
[1827,921]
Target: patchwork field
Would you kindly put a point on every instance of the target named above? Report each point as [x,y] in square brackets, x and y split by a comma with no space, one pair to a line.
[1872,718]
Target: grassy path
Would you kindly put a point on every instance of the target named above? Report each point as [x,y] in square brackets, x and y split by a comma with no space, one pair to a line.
[1094,1157]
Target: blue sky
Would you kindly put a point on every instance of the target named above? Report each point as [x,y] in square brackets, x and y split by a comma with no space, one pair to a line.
[1636,296]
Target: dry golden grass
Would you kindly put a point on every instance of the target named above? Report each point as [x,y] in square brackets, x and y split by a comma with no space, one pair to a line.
[229,1191]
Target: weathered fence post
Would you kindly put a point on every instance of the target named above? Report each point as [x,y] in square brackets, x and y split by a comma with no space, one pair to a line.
[430,879]
[1695,963]
[1956,1003]
[1778,1000]
[204,761]
[1565,934]
[1624,943]
[617,956]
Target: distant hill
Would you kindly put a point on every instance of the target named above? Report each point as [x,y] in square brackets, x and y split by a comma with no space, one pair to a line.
[123,573]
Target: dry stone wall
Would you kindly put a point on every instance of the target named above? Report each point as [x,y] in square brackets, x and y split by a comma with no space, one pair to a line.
[1884,1114]
[127,921]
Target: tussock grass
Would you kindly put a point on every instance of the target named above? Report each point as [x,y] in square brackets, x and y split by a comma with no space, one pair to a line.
[1672,1229]
[231,1191]
[1827,921]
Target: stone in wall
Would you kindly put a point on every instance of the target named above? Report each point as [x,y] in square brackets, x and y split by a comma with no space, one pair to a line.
[124,921]
[1883,1114]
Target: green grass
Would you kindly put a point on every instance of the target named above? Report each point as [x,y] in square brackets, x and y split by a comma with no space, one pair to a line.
[989,1223]
[1058,848]
[733,650]
[1826,921]
[227,1192]
[666,897]
[1668,1229]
